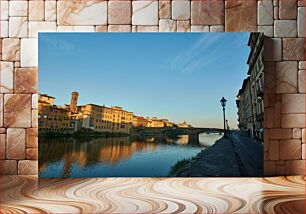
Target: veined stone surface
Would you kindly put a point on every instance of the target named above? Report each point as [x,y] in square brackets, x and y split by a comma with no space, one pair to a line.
[2,143]
[183,26]
[180,10]
[17,110]
[285,28]
[36,10]
[302,65]
[4,29]
[199,28]
[216,28]
[91,12]
[147,28]
[35,100]
[293,120]
[29,53]
[293,49]
[119,28]
[165,9]
[207,12]
[18,8]
[119,12]
[4,10]
[267,30]
[265,12]
[15,144]
[101,28]
[37,26]
[301,21]
[297,133]
[302,82]
[32,154]
[75,29]
[280,133]
[1,114]
[18,27]
[290,149]
[240,15]
[28,167]
[7,77]
[26,80]
[32,138]
[287,9]
[286,77]
[11,49]
[34,120]
[275,13]
[145,13]
[293,103]
[50,10]
[167,25]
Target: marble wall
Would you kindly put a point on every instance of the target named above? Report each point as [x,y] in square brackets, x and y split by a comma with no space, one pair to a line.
[282,20]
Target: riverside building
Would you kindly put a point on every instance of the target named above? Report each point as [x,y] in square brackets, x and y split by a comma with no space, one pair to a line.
[71,118]
[250,100]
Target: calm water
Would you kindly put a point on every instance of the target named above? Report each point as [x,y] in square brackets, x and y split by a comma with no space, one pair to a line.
[116,156]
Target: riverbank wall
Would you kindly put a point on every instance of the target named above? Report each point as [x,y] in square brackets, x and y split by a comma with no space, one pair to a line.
[236,155]
[217,160]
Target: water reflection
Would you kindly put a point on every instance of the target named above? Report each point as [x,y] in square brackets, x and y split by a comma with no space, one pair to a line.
[113,156]
[208,139]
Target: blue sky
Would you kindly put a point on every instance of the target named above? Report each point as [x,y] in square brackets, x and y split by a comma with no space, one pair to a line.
[179,76]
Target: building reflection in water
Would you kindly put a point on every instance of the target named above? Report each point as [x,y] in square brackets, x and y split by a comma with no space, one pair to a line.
[90,151]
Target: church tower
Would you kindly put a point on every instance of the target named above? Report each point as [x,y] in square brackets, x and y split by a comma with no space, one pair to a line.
[74,101]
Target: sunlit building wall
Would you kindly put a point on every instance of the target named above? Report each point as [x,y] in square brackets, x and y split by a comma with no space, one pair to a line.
[52,117]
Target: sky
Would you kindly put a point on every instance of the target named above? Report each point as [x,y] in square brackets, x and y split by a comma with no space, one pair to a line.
[179,76]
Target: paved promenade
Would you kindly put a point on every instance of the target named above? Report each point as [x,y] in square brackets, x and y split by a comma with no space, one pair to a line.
[235,156]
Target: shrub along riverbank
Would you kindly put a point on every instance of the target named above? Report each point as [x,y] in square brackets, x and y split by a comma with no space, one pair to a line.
[179,165]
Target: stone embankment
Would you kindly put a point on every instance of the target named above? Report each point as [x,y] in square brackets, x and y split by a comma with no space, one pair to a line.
[234,156]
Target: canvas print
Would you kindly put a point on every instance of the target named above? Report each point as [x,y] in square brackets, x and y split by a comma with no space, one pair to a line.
[151,105]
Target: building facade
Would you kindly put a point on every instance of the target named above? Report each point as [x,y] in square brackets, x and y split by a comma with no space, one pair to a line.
[71,118]
[256,73]
[183,125]
[139,121]
[250,101]
[105,119]
[245,108]
[51,117]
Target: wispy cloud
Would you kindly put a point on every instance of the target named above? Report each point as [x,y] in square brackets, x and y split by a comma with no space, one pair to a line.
[204,51]
[58,44]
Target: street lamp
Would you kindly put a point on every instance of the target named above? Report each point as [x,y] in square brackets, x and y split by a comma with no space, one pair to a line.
[223,104]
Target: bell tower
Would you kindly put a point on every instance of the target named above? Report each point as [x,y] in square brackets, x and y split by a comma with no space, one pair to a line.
[74,101]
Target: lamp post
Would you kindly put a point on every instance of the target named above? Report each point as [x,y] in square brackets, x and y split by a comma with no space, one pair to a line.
[223,104]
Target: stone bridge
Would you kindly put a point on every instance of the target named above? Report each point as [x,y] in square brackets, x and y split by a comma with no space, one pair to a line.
[169,131]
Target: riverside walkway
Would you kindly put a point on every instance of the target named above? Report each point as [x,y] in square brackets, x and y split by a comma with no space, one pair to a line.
[235,156]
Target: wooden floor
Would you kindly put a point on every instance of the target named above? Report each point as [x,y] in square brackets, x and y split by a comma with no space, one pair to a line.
[153,195]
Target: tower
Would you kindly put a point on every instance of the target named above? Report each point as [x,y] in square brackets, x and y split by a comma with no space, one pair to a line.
[74,101]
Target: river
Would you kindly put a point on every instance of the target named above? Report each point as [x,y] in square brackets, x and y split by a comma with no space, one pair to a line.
[116,156]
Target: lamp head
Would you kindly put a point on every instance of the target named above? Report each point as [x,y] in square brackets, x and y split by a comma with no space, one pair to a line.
[223,102]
